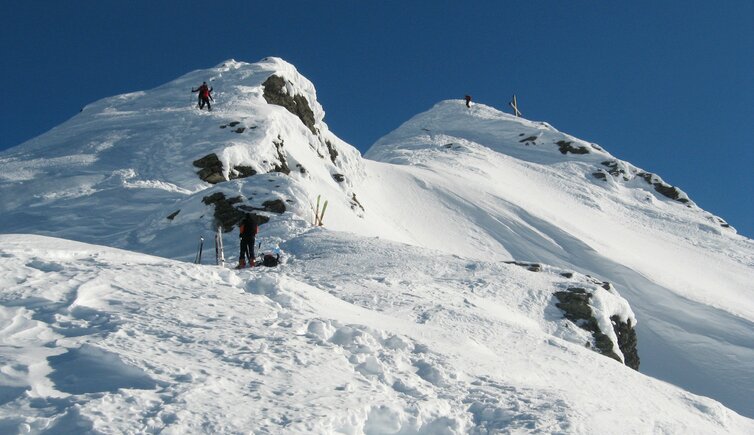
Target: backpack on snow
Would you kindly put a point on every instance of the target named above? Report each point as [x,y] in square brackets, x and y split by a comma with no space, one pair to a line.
[270,260]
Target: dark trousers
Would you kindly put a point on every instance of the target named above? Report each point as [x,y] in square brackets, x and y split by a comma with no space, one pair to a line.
[202,102]
[247,249]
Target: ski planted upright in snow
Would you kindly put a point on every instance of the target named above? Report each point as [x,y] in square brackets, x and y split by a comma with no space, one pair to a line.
[322,214]
[219,252]
[316,211]
[198,258]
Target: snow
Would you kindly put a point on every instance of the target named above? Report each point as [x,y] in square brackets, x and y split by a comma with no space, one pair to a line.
[398,317]
[364,336]
[689,282]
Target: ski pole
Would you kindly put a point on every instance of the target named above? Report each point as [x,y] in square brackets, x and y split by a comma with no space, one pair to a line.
[199,254]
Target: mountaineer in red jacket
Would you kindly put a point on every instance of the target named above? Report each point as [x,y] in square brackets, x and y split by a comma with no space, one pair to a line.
[205,94]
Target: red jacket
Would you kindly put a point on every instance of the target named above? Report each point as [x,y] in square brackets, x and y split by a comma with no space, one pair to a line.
[204,91]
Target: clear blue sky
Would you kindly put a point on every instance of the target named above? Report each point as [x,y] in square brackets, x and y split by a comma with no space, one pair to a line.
[665,85]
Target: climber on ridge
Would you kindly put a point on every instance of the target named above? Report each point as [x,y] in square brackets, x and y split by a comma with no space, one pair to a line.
[468,100]
[247,232]
[205,94]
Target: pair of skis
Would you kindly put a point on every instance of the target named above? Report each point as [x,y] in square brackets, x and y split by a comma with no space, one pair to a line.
[219,251]
[318,216]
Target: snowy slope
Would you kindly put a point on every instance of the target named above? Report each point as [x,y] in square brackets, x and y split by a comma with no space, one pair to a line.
[351,335]
[468,188]
[497,187]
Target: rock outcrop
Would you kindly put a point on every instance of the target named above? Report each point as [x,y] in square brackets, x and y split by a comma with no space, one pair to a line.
[626,172]
[210,169]
[275,93]
[575,302]
[226,215]
[566,147]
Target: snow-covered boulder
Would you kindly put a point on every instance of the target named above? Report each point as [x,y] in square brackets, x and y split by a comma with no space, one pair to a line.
[607,316]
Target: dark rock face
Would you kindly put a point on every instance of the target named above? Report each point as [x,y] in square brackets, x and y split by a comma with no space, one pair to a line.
[566,147]
[258,218]
[331,149]
[663,188]
[722,222]
[530,139]
[226,215]
[627,341]
[242,172]
[671,192]
[211,169]
[172,215]
[600,176]
[296,104]
[238,130]
[339,177]
[282,164]
[531,267]
[274,206]
[614,169]
[355,203]
[575,306]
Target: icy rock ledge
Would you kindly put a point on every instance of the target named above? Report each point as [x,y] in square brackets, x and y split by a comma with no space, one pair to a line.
[607,316]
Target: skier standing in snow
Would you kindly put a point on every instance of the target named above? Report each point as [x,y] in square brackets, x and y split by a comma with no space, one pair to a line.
[468,101]
[205,94]
[248,231]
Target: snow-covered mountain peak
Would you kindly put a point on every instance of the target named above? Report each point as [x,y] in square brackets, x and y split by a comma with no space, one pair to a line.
[484,125]
[156,149]
[454,134]
[516,243]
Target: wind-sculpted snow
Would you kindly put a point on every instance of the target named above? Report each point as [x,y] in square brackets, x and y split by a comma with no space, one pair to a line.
[349,335]
[464,190]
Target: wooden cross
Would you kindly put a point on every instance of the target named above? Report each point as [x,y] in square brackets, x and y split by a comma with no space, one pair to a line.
[514,105]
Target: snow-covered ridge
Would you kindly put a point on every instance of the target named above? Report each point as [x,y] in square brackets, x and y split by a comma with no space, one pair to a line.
[148,172]
[456,127]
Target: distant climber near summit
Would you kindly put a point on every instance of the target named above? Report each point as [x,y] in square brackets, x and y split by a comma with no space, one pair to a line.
[205,94]
[468,101]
